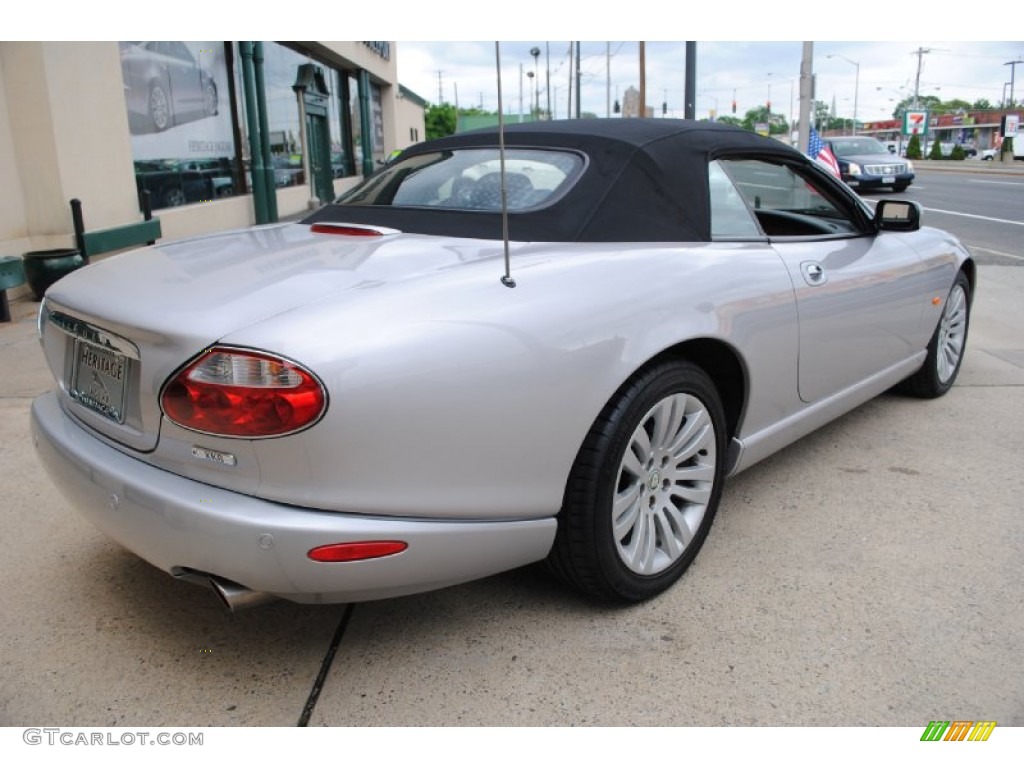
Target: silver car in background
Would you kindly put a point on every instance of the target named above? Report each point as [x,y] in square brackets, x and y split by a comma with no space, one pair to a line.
[370,403]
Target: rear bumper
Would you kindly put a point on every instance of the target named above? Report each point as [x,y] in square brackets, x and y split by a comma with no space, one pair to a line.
[176,523]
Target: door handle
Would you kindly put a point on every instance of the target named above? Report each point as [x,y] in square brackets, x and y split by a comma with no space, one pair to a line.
[814,273]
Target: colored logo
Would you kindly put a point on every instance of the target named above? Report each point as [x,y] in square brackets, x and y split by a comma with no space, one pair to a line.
[958,730]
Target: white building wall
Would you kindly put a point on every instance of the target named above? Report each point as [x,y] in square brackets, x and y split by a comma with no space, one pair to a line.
[64,133]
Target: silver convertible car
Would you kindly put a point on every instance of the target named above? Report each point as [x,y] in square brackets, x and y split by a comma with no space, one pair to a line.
[478,359]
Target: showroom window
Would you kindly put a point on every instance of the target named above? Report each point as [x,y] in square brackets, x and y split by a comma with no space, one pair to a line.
[279,68]
[178,101]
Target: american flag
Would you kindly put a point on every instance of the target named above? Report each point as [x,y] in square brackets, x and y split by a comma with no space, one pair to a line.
[817,149]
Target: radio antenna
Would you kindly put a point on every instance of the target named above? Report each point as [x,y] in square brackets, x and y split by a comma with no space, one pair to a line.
[506,279]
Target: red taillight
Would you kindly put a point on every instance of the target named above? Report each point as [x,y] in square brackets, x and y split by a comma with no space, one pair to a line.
[355,550]
[239,393]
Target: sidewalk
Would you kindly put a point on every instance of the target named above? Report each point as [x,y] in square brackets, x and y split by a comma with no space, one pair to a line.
[838,571]
[971,166]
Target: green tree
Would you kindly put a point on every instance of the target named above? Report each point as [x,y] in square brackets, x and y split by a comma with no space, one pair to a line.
[931,103]
[936,151]
[914,148]
[957,153]
[440,121]
[982,104]
[729,120]
[955,105]
[776,123]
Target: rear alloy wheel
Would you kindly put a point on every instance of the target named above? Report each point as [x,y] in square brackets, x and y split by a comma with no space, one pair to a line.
[643,491]
[159,107]
[173,197]
[947,346]
[210,99]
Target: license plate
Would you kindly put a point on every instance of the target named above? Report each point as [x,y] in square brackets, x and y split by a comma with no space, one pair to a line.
[888,179]
[98,379]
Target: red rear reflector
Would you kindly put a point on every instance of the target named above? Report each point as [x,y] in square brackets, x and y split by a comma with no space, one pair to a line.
[356,550]
[333,229]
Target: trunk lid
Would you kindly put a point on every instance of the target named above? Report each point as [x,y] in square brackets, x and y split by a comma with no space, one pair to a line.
[116,331]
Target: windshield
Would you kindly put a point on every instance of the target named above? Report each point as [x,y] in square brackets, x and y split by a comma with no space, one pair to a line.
[470,179]
[861,145]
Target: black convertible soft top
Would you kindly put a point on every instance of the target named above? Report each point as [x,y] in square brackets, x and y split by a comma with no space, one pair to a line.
[646,180]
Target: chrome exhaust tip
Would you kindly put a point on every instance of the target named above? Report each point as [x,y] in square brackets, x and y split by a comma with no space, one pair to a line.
[235,597]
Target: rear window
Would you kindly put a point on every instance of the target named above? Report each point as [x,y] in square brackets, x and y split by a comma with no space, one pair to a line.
[470,180]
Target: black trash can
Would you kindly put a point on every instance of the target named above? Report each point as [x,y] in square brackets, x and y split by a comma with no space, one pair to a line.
[44,268]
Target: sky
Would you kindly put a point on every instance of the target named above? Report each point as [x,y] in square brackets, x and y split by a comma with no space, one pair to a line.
[750,46]
[753,72]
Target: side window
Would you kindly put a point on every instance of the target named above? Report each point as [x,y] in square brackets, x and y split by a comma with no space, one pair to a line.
[787,204]
[730,216]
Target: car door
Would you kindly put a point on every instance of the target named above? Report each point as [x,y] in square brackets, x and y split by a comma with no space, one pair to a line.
[186,83]
[860,294]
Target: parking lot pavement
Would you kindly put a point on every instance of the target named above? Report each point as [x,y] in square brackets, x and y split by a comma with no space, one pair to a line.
[870,574]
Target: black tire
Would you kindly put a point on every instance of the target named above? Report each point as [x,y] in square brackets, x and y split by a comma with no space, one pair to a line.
[674,408]
[947,346]
[159,108]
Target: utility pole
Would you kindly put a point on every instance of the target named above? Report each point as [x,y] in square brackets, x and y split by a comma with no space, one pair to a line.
[690,88]
[806,94]
[642,112]
[920,52]
[1013,70]
[607,79]
[578,73]
[547,75]
[568,106]
[440,89]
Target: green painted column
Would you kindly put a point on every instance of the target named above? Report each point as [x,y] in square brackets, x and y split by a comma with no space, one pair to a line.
[256,167]
[365,124]
[268,161]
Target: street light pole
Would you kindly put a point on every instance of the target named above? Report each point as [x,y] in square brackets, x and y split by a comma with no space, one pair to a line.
[535,52]
[531,76]
[856,85]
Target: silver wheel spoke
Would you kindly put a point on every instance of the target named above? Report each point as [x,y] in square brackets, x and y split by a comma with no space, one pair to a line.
[693,495]
[692,436]
[627,509]
[632,464]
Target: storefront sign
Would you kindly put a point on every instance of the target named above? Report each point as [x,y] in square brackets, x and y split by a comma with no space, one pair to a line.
[380,47]
[915,123]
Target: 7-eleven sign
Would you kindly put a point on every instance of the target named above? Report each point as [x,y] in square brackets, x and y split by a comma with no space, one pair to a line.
[915,123]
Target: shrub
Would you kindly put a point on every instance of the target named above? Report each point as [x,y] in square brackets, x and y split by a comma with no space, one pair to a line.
[914,148]
[936,151]
[957,153]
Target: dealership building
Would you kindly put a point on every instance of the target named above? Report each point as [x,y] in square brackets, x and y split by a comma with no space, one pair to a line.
[210,135]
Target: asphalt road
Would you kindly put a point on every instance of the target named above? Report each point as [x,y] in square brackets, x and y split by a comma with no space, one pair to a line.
[984,209]
[870,574]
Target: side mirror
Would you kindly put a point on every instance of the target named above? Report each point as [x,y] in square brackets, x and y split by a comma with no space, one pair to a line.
[898,215]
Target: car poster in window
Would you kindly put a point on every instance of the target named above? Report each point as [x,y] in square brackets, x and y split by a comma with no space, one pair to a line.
[176,96]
